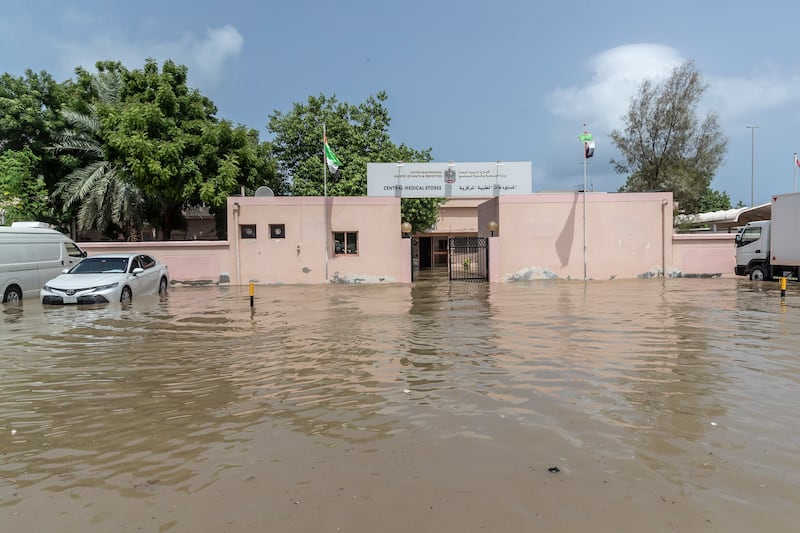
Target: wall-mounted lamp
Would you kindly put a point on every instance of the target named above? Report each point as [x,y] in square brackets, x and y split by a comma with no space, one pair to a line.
[450,164]
[492,227]
[405,227]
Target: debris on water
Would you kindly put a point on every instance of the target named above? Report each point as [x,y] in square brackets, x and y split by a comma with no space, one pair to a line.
[554,470]
[407,391]
[713,423]
[13,432]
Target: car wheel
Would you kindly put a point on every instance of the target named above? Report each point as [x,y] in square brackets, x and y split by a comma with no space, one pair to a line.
[162,286]
[13,295]
[759,273]
[126,295]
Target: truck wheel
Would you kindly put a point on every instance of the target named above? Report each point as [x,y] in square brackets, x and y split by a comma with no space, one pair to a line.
[759,273]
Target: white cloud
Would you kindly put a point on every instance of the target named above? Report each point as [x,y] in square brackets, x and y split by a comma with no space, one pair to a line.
[205,57]
[210,55]
[740,97]
[617,75]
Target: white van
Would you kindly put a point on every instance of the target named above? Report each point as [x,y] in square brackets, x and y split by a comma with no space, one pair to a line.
[30,255]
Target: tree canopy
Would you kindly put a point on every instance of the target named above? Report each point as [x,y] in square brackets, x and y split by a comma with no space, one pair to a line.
[30,108]
[23,193]
[99,190]
[358,134]
[175,149]
[664,145]
[117,147]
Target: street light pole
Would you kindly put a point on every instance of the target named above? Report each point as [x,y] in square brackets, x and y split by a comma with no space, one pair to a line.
[752,164]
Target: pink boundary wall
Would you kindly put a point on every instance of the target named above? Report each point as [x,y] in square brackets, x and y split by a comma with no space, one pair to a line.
[624,240]
[704,254]
[188,261]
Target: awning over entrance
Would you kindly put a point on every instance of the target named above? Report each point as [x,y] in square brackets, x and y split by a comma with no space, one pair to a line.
[729,218]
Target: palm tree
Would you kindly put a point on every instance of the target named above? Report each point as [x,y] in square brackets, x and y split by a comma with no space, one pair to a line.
[101,188]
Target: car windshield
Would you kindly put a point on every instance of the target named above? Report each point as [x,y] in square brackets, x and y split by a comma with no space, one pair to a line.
[100,265]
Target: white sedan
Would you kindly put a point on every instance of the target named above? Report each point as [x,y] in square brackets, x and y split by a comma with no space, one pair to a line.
[107,278]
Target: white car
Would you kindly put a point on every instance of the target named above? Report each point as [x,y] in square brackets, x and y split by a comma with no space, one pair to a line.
[107,278]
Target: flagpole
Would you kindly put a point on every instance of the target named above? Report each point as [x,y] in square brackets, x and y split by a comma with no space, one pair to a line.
[325,193]
[584,215]
[324,162]
[585,160]
[794,167]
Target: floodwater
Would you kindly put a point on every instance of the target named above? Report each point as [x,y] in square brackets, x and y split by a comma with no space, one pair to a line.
[664,404]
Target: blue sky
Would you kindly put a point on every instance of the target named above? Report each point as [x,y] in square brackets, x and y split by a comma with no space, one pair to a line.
[474,81]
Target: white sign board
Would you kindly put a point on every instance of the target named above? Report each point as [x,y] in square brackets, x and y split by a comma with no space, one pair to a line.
[449,180]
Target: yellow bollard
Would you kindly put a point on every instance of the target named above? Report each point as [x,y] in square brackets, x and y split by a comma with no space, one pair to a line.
[783,287]
[252,292]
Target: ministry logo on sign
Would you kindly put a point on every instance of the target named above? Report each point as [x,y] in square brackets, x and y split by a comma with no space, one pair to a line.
[449,176]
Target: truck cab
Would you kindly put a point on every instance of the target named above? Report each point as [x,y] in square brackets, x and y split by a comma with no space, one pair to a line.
[752,251]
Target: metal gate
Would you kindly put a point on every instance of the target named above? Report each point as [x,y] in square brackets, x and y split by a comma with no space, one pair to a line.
[469,258]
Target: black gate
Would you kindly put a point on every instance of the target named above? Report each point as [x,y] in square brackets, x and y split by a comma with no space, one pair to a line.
[469,258]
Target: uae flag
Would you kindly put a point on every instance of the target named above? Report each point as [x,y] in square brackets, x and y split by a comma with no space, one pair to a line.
[330,158]
[588,144]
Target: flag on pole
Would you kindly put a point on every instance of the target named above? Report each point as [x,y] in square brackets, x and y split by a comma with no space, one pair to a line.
[330,158]
[796,161]
[588,144]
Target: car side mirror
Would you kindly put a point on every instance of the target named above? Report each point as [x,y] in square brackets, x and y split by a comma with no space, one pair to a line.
[137,270]
[84,254]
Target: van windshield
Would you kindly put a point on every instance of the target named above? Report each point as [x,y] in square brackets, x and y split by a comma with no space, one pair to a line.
[100,265]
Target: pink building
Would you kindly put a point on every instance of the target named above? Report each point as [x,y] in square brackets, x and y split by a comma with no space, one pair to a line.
[296,240]
[292,239]
[540,236]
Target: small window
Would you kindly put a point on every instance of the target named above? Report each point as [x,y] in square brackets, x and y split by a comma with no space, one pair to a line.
[345,242]
[247,231]
[72,250]
[750,234]
[147,261]
[277,231]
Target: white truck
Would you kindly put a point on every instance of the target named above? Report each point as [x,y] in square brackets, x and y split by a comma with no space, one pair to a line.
[30,255]
[767,249]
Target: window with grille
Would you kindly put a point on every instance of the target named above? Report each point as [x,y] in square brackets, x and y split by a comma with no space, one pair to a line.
[345,242]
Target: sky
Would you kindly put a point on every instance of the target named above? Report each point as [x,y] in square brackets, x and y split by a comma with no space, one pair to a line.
[472,80]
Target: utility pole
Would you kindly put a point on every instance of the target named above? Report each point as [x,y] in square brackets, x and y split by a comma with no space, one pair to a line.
[752,164]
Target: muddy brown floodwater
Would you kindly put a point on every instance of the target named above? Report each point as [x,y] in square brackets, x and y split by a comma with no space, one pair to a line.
[664,405]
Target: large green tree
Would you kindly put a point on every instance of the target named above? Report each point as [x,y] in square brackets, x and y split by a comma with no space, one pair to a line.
[664,145]
[358,134]
[101,190]
[23,194]
[174,148]
[30,116]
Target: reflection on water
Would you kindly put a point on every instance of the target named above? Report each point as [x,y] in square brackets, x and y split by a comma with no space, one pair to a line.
[650,378]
